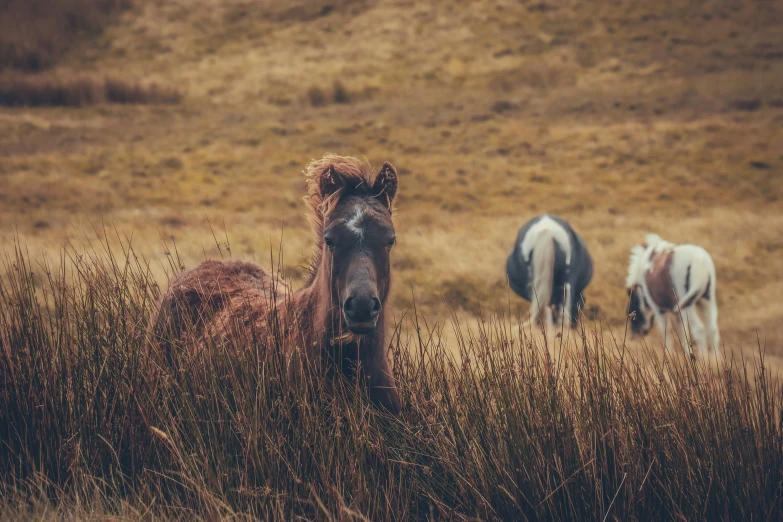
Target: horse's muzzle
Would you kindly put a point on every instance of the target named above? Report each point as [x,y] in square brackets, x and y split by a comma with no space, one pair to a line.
[361,313]
[362,328]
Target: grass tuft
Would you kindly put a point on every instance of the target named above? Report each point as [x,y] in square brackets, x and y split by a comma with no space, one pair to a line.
[35,91]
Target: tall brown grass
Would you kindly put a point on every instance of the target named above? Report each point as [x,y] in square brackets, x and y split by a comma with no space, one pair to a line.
[34,34]
[90,417]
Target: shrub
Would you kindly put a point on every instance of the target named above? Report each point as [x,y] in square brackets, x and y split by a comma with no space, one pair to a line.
[121,91]
[79,91]
[340,94]
[317,96]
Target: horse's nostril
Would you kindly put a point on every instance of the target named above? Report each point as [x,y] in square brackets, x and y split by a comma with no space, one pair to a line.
[362,309]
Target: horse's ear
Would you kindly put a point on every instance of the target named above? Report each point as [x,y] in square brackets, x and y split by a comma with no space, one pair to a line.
[385,186]
[329,181]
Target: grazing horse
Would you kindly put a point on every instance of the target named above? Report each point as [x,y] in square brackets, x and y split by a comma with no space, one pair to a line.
[664,277]
[338,315]
[550,267]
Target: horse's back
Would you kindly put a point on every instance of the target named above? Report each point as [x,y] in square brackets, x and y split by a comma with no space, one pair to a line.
[197,298]
[697,265]
[694,252]
[580,267]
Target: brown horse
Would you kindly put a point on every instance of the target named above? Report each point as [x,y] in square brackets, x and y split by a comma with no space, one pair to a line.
[338,315]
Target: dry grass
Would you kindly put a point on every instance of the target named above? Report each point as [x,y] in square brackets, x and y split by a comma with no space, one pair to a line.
[96,423]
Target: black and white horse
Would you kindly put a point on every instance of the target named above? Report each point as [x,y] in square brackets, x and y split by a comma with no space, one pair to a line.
[678,279]
[550,267]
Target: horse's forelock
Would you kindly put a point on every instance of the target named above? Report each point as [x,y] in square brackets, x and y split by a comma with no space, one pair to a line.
[637,253]
[347,174]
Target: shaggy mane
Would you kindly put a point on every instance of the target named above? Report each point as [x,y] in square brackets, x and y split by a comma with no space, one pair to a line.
[357,177]
[653,240]
[637,257]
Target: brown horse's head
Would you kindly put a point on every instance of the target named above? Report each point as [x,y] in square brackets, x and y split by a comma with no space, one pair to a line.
[353,218]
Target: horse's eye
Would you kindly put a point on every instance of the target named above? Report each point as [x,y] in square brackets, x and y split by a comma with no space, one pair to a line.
[329,243]
[391,243]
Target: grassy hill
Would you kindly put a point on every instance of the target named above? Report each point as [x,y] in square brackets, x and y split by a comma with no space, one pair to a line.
[623,117]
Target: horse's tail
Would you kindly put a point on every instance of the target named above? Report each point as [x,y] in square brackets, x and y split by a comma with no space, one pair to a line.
[700,279]
[543,261]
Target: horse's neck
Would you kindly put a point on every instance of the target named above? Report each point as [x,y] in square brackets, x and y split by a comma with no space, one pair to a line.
[314,310]
[319,324]
[659,280]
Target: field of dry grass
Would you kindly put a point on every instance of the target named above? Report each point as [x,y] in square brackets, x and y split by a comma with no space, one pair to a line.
[96,423]
[624,117]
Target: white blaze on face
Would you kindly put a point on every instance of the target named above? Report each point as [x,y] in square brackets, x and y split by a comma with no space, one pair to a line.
[354,223]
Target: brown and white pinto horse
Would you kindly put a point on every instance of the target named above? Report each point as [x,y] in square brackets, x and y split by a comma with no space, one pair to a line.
[678,279]
[339,315]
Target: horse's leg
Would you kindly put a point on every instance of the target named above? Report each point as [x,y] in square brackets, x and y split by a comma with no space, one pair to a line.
[535,310]
[568,297]
[557,316]
[549,320]
[679,330]
[710,310]
[693,323]
[541,315]
[660,320]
